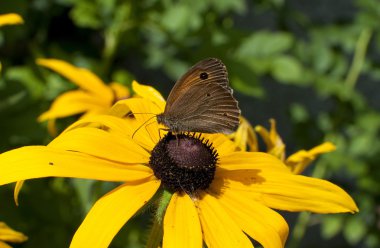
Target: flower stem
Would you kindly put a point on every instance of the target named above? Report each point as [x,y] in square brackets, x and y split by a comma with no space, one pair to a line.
[156,232]
[359,57]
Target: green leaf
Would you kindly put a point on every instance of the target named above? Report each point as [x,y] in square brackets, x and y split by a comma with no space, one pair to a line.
[299,113]
[244,79]
[25,75]
[179,19]
[286,69]
[354,230]
[264,44]
[331,225]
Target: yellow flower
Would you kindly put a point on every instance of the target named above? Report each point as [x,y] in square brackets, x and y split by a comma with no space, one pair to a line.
[219,196]
[92,97]
[7,234]
[298,161]
[10,19]
[272,140]
[245,136]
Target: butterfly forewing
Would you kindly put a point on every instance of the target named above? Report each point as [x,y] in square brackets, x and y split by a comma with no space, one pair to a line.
[216,73]
[202,101]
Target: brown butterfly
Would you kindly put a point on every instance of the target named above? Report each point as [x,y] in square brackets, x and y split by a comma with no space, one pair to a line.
[201,101]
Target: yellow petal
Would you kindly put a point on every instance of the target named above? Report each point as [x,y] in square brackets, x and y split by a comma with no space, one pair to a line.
[72,103]
[149,93]
[122,127]
[145,113]
[258,221]
[245,136]
[101,144]
[257,161]
[4,245]
[119,90]
[120,109]
[111,212]
[286,191]
[52,128]
[219,229]
[181,223]
[10,19]
[272,140]
[41,161]
[17,190]
[301,159]
[221,143]
[10,235]
[82,77]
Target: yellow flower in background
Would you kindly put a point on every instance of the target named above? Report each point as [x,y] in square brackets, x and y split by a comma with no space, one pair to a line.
[272,140]
[10,19]
[298,161]
[217,195]
[92,97]
[245,136]
[7,234]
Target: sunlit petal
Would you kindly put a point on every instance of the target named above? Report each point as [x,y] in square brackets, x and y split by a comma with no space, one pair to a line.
[272,140]
[181,224]
[82,77]
[17,190]
[258,221]
[221,143]
[10,19]
[245,136]
[111,212]
[219,229]
[301,159]
[71,103]
[258,161]
[120,91]
[41,161]
[9,235]
[121,127]
[4,245]
[149,93]
[102,144]
[145,113]
[286,191]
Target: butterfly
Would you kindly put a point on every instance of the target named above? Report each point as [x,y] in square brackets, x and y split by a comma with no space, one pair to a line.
[202,101]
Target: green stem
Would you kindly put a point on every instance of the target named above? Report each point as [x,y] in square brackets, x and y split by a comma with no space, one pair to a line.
[156,232]
[359,57]
[304,217]
[113,33]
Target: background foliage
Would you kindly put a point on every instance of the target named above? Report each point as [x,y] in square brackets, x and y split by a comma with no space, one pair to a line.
[314,66]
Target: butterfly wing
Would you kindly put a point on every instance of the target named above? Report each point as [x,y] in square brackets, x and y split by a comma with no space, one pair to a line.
[216,73]
[200,104]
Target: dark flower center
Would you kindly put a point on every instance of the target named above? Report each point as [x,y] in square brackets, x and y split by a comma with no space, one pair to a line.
[184,162]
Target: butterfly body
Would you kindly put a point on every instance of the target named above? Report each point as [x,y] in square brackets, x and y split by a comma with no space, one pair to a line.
[202,101]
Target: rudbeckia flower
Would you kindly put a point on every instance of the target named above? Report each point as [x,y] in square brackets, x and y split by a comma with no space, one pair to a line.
[10,19]
[298,161]
[7,234]
[214,194]
[92,97]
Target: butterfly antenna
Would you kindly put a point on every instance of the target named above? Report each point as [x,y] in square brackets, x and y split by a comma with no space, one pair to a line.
[142,126]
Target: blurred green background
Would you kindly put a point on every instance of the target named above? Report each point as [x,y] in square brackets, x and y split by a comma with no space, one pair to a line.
[314,66]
